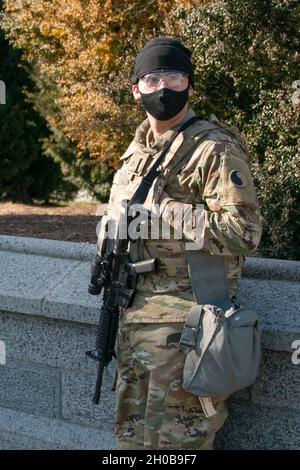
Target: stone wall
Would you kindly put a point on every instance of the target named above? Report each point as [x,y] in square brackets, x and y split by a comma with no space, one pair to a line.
[48,321]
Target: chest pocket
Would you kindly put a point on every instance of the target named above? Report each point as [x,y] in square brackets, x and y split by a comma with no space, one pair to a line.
[137,165]
[128,177]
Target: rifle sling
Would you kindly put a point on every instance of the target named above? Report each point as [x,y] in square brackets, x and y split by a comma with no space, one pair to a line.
[209,284]
[142,191]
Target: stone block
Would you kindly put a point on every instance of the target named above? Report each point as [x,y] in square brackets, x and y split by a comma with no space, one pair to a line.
[252,427]
[278,383]
[77,394]
[265,268]
[49,248]
[30,388]
[278,308]
[47,341]
[25,280]
[25,431]
[70,300]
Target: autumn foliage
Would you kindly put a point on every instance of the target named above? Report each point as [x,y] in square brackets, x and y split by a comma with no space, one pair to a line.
[246,56]
[86,48]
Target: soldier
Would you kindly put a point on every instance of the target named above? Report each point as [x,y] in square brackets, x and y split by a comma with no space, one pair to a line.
[153,410]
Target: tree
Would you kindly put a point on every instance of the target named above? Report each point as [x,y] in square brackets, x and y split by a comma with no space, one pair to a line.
[86,47]
[246,54]
[83,51]
[25,173]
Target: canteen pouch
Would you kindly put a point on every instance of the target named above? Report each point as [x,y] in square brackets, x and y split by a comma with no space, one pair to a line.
[223,350]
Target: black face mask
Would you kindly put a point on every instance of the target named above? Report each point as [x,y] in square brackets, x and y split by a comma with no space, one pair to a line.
[164,104]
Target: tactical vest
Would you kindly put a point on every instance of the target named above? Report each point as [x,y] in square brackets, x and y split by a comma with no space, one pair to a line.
[137,160]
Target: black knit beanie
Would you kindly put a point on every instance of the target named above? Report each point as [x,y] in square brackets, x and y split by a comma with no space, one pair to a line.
[163,53]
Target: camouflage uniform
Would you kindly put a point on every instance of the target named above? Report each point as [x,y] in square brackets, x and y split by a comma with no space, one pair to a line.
[153,411]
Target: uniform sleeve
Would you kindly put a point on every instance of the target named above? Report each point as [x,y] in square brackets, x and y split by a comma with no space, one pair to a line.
[229,222]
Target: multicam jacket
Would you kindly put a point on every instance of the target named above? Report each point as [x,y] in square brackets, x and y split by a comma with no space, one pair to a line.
[216,175]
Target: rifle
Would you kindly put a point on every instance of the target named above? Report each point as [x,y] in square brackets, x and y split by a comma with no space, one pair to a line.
[117,275]
[113,271]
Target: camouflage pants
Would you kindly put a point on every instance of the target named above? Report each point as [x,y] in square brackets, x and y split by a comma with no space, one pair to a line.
[153,410]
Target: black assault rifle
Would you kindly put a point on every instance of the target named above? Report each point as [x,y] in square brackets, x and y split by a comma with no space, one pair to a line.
[117,275]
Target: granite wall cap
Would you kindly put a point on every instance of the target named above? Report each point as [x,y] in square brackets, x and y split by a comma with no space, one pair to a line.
[254,267]
[265,268]
[49,248]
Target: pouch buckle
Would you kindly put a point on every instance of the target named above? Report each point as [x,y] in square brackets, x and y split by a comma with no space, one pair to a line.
[188,337]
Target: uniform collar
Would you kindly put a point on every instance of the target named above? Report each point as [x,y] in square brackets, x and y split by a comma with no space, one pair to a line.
[144,135]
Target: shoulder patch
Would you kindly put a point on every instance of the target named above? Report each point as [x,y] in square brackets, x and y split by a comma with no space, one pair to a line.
[238,178]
